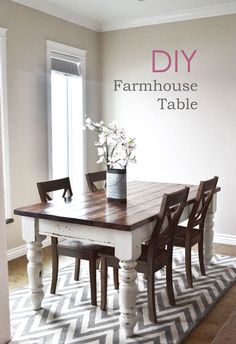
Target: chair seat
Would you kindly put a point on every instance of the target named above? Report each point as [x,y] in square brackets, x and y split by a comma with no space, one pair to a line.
[160,260]
[80,245]
[161,257]
[180,236]
[79,249]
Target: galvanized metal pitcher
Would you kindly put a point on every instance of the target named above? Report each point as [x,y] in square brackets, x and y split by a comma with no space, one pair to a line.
[116,185]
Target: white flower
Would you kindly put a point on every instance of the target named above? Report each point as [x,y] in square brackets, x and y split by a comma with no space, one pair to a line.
[88,121]
[89,124]
[102,138]
[100,151]
[114,148]
[100,160]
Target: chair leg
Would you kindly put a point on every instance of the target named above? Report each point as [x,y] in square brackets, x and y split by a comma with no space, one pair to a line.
[188,267]
[77,269]
[54,242]
[201,257]
[169,282]
[93,281]
[116,278]
[103,305]
[151,297]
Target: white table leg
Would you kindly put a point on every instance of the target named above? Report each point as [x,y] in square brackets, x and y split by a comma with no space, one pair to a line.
[35,272]
[30,233]
[128,293]
[128,250]
[209,233]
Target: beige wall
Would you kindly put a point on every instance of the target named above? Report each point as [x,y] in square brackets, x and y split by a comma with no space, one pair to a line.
[27,33]
[179,146]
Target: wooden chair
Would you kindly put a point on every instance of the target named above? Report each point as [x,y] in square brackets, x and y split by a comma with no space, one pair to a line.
[193,233]
[92,178]
[95,177]
[156,254]
[72,248]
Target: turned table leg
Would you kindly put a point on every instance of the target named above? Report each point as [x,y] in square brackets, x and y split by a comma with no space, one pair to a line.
[30,233]
[208,232]
[35,272]
[127,250]
[128,293]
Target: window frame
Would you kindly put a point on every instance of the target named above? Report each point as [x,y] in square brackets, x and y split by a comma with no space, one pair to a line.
[4,125]
[74,52]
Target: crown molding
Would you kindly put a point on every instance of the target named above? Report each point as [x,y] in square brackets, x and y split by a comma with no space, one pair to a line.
[59,12]
[197,13]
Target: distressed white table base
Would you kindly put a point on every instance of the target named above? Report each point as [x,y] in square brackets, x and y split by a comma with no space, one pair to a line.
[127,250]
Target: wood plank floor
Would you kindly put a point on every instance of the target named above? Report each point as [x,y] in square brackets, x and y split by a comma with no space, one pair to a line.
[204,332]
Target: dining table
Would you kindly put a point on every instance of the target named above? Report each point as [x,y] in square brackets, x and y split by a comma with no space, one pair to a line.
[124,226]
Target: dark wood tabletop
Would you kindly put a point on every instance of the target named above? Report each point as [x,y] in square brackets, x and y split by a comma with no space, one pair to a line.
[93,209]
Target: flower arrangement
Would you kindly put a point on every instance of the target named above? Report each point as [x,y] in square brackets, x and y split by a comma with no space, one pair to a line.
[115,150]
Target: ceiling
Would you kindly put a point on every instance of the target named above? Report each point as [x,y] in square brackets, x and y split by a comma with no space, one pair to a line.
[107,15]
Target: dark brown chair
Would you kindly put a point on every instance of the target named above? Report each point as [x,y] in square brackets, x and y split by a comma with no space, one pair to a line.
[95,177]
[92,178]
[193,233]
[72,248]
[156,254]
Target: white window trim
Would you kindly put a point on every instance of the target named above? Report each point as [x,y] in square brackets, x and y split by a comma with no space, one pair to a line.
[78,53]
[4,119]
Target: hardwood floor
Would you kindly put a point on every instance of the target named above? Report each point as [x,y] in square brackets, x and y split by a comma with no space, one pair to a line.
[18,272]
[204,332]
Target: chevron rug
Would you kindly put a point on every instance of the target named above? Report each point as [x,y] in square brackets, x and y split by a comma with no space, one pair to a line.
[68,317]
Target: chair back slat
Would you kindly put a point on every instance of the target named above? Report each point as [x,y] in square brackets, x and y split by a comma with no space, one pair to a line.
[171,210]
[203,199]
[45,188]
[95,177]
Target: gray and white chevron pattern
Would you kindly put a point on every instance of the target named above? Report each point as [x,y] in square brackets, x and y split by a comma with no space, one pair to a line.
[68,317]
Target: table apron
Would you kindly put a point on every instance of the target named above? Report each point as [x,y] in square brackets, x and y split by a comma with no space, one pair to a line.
[77,231]
[127,243]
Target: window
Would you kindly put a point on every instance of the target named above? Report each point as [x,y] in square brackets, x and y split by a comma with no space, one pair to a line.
[4,125]
[66,113]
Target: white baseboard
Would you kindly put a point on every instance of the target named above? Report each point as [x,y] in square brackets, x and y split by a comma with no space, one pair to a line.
[21,250]
[225,239]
